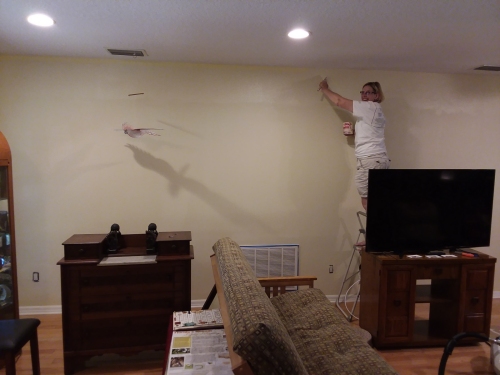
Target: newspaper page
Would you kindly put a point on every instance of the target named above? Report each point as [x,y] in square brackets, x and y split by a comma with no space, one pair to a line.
[200,319]
[202,352]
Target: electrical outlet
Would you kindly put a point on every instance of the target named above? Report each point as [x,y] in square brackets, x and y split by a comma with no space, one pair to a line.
[330,269]
[36,277]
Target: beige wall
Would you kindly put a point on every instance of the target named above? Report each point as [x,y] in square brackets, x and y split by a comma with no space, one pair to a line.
[254,153]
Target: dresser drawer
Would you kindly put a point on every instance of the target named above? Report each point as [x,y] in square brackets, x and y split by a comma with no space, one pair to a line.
[112,280]
[83,251]
[437,272]
[173,243]
[173,247]
[84,246]
[123,332]
[126,305]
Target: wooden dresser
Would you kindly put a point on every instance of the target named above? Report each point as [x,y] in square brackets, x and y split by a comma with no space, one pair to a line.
[453,295]
[121,309]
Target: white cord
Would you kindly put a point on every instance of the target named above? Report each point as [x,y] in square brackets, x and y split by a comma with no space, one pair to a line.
[351,312]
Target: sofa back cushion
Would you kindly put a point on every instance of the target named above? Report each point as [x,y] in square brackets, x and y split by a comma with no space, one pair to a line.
[258,334]
[324,339]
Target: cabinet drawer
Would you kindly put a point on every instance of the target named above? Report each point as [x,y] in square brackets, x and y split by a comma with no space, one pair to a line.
[83,251]
[437,272]
[123,332]
[398,304]
[475,323]
[397,327]
[398,280]
[173,247]
[132,280]
[126,305]
[477,279]
[475,302]
[84,246]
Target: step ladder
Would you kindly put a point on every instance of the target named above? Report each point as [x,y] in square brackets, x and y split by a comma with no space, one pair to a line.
[349,290]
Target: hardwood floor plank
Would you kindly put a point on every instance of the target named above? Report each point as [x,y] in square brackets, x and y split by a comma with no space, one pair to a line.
[474,359]
[470,359]
[52,362]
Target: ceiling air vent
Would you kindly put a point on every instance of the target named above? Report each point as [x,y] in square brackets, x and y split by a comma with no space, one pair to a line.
[127,52]
[491,68]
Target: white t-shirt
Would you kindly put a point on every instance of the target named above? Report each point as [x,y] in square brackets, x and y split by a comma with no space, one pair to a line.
[369,137]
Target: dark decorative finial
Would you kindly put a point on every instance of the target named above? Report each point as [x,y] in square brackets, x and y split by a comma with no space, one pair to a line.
[151,235]
[112,239]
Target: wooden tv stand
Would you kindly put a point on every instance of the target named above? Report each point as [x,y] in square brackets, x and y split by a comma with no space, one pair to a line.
[456,293]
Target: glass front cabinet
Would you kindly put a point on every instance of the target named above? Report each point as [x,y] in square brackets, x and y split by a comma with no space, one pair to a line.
[9,306]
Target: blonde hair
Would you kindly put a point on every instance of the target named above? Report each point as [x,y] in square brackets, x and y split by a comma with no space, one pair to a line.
[377,89]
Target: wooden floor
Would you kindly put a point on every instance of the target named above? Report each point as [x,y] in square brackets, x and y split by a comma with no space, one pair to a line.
[464,360]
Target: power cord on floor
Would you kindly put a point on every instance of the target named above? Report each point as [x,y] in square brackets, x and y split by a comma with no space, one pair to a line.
[451,345]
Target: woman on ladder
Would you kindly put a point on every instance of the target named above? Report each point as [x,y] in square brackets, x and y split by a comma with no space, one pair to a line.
[369,138]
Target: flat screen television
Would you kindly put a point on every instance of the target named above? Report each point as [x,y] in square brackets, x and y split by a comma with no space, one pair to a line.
[420,210]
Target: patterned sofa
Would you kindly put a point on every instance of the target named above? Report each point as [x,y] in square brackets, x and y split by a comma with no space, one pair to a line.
[299,332]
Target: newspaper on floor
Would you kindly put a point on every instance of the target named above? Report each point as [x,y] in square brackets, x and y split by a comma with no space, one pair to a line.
[202,352]
[200,319]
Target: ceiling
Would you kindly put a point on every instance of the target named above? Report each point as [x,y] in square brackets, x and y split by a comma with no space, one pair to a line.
[435,36]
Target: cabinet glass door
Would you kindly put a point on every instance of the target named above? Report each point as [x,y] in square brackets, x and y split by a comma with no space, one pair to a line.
[7,310]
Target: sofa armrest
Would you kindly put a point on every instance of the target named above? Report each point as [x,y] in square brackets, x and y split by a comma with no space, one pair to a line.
[274,286]
[238,364]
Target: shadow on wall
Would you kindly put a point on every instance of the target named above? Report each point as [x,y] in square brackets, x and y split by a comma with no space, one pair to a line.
[178,181]
[403,147]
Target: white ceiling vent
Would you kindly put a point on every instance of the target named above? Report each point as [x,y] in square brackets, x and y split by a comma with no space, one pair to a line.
[127,52]
[491,68]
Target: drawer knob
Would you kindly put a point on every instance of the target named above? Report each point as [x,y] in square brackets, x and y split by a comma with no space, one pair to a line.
[474,300]
[81,251]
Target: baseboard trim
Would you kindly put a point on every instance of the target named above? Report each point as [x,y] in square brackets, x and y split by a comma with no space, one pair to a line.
[40,310]
[333,298]
[57,309]
[352,298]
[195,304]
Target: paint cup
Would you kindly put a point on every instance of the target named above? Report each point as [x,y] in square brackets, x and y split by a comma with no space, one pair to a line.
[348,128]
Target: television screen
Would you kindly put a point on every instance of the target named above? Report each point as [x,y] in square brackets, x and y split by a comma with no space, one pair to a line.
[419,210]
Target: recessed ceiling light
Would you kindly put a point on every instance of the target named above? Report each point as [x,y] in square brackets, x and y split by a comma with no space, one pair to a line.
[40,20]
[298,34]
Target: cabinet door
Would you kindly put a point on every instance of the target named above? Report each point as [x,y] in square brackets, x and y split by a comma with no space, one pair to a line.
[397,299]
[477,287]
[8,280]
